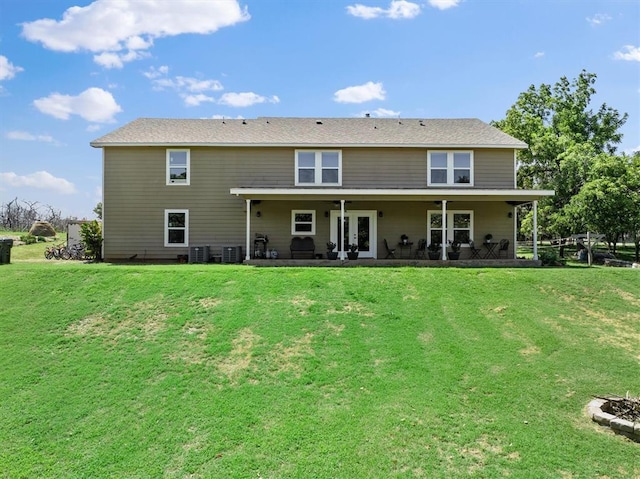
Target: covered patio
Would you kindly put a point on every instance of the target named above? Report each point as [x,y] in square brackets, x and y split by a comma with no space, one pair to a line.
[435,201]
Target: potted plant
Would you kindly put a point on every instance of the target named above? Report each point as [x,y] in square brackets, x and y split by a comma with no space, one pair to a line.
[404,239]
[434,251]
[330,253]
[488,237]
[353,251]
[455,249]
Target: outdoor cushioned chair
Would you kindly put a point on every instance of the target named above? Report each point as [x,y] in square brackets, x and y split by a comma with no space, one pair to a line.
[503,248]
[391,253]
[475,252]
[304,247]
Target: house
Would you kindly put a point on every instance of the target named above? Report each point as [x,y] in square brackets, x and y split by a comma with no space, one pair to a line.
[172,184]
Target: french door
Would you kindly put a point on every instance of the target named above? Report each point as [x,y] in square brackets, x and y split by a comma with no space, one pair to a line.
[359,228]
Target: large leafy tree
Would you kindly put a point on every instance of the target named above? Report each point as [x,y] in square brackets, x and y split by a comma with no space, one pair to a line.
[609,201]
[564,135]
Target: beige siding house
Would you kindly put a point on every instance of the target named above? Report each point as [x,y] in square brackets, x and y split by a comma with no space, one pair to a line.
[174,184]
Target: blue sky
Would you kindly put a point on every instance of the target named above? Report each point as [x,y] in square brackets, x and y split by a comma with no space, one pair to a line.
[73,70]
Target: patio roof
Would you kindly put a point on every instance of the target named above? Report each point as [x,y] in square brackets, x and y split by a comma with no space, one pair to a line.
[514,196]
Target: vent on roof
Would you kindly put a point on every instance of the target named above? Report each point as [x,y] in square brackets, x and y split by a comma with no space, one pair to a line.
[318,122]
[244,122]
[421,123]
[368,115]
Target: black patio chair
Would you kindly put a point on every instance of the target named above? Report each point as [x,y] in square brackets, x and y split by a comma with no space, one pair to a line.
[421,250]
[391,253]
[503,248]
[475,252]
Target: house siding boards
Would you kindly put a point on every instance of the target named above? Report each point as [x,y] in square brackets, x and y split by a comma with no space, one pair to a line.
[376,154]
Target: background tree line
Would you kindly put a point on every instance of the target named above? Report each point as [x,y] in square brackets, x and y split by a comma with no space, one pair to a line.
[19,215]
[573,150]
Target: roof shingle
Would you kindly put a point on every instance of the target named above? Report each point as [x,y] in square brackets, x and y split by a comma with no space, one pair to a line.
[310,132]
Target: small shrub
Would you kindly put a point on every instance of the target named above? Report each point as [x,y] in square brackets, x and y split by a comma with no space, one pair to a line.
[549,257]
[28,239]
[42,239]
[91,233]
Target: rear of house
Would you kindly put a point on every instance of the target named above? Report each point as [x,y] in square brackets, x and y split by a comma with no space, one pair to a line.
[171,185]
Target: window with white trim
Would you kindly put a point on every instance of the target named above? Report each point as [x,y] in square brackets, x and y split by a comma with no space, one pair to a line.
[178,167]
[176,227]
[459,226]
[303,222]
[448,168]
[318,167]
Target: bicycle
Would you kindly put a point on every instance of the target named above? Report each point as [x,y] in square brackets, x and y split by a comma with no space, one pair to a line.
[56,252]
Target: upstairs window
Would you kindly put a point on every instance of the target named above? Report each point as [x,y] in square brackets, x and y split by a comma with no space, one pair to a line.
[318,167]
[450,168]
[178,167]
[176,227]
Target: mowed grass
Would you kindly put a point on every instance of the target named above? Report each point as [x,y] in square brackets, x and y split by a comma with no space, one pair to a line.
[205,371]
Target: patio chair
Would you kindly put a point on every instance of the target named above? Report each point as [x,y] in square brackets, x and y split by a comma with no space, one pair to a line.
[503,248]
[421,250]
[391,253]
[475,252]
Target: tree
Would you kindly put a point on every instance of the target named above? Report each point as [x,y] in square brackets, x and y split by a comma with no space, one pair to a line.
[91,233]
[98,210]
[564,135]
[607,202]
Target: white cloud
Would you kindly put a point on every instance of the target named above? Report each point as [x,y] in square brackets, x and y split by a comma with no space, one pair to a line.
[538,55]
[125,28]
[157,72]
[7,69]
[444,4]
[196,100]
[117,60]
[191,90]
[94,104]
[41,180]
[398,9]
[632,54]
[380,113]
[598,19]
[244,99]
[360,94]
[26,136]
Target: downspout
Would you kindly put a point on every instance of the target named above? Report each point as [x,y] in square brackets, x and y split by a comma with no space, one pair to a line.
[341,232]
[444,229]
[535,230]
[247,256]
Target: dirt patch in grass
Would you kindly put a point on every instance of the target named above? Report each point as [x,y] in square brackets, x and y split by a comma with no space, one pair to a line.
[144,320]
[208,303]
[239,358]
[352,308]
[288,357]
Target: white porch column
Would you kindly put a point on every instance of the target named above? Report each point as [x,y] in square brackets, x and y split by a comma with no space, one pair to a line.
[341,230]
[535,230]
[248,245]
[444,229]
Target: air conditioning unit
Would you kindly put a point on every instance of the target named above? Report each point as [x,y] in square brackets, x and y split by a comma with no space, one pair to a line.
[199,254]
[232,254]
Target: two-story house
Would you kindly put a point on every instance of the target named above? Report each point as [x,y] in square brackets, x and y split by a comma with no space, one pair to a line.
[174,183]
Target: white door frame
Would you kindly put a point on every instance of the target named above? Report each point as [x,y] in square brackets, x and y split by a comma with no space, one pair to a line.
[353,216]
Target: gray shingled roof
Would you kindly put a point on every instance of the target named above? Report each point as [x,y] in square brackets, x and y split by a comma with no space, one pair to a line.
[316,132]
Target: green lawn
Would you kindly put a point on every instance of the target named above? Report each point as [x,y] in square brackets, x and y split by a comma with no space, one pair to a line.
[205,371]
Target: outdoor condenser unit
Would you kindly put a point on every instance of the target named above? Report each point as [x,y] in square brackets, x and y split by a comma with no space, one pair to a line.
[198,254]
[232,254]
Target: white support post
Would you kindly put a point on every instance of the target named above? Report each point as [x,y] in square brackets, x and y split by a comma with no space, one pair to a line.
[341,230]
[444,229]
[248,245]
[535,230]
